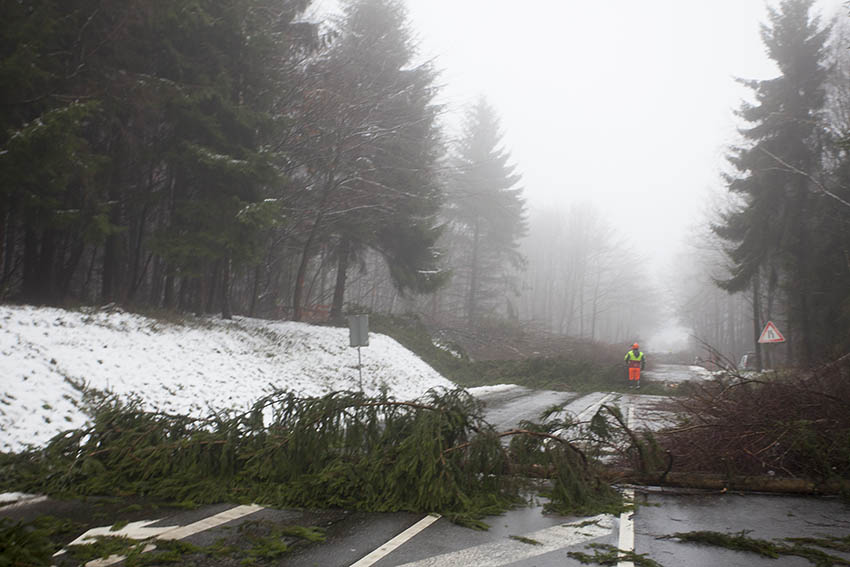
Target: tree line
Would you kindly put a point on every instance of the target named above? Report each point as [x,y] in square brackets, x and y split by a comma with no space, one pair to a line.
[235,157]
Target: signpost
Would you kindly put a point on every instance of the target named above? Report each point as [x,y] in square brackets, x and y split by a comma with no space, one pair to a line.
[770,334]
[358,336]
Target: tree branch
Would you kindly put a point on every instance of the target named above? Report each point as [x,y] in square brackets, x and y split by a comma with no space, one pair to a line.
[811,178]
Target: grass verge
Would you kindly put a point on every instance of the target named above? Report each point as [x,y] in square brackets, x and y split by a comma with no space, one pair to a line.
[575,373]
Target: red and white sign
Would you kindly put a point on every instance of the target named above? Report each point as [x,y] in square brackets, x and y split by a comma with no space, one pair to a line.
[770,334]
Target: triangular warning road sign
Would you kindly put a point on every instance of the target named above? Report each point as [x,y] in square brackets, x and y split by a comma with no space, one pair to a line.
[770,334]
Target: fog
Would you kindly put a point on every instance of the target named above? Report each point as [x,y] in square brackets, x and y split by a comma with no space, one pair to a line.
[626,105]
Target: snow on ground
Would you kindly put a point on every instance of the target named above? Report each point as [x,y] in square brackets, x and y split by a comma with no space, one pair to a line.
[481,391]
[194,367]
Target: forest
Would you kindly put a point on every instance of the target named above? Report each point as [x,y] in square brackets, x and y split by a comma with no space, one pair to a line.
[240,158]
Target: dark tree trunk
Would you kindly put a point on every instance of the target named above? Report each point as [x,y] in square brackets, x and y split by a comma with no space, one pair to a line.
[9,262]
[226,311]
[30,285]
[757,319]
[472,297]
[70,268]
[184,294]
[137,271]
[168,291]
[255,290]
[341,271]
[89,297]
[301,275]
[5,220]
[155,292]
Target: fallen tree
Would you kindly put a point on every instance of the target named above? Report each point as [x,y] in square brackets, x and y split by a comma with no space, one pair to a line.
[778,431]
[342,450]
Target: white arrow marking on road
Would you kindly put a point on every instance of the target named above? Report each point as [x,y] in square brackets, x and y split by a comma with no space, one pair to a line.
[140,531]
[509,551]
[133,530]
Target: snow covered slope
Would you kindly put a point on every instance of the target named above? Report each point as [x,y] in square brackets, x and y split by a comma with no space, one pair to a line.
[190,368]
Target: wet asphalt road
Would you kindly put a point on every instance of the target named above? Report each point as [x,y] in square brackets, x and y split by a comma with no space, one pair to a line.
[526,537]
[675,373]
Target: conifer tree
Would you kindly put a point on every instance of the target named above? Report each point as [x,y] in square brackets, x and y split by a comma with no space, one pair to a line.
[164,175]
[772,230]
[486,215]
[370,149]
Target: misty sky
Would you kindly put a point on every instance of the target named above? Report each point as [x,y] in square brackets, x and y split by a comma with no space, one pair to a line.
[627,105]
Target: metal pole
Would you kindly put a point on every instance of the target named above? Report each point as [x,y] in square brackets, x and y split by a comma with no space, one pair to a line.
[360,368]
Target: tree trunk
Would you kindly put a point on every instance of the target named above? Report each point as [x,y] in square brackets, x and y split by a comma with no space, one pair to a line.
[5,221]
[723,483]
[85,295]
[757,319]
[209,290]
[47,267]
[157,276]
[255,290]
[9,263]
[341,271]
[70,268]
[136,261]
[301,275]
[472,298]
[168,299]
[226,311]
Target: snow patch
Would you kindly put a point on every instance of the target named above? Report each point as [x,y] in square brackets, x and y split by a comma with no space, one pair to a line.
[193,368]
[480,391]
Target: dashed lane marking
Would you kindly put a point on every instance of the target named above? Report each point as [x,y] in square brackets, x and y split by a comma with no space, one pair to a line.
[509,551]
[396,542]
[626,538]
[181,532]
[594,407]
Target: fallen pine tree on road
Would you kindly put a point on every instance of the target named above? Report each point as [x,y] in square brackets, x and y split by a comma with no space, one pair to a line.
[342,450]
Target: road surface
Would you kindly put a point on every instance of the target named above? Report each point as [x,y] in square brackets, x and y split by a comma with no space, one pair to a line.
[523,537]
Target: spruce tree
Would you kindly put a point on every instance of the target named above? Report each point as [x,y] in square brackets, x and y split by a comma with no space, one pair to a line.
[486,214]
[772,230]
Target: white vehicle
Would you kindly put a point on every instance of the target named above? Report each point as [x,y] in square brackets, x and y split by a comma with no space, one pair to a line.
[748,362]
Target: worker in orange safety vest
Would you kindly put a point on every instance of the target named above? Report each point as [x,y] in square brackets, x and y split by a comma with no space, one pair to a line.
[635,361]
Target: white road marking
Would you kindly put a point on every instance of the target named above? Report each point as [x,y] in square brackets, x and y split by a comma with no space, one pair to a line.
[626,539]
[113,559]
[133,530]
[141,531]
[396,542]
[11,500]
[594,407]
[181,532]
[509,551]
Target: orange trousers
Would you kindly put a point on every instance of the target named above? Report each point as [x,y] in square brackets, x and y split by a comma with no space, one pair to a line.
[634,373]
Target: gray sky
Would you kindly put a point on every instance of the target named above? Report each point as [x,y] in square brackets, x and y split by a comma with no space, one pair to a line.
[628,105]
